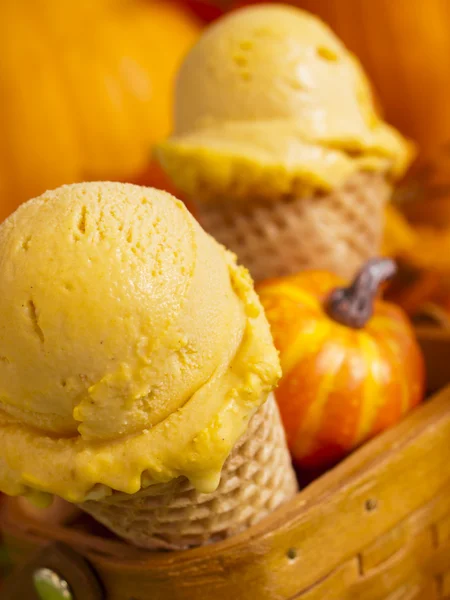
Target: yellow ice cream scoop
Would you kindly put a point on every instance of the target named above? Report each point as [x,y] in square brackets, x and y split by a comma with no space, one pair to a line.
[269,102]
[133,349]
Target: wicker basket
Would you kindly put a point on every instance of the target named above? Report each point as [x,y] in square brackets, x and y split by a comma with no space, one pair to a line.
[377,527]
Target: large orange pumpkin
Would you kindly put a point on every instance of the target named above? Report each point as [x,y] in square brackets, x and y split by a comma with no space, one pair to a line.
[85,89]
[351,365]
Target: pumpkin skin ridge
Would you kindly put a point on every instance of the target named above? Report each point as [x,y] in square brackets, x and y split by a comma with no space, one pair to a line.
[312,422]
[293,351]
[371,384]
[292,422]
[396,325]
[391,411]
[340,425]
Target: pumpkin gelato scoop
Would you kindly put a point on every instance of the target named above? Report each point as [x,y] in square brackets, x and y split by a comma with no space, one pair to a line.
[133,349]
[269,102]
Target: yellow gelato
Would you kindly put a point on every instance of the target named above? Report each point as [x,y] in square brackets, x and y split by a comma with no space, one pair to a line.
[268,103]
[133,350]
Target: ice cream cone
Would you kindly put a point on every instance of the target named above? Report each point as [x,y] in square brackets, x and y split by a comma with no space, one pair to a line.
[279,143]
[256,478]
[141,353]
[336,231]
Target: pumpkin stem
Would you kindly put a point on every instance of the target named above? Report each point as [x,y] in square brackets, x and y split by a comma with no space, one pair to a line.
[353,305]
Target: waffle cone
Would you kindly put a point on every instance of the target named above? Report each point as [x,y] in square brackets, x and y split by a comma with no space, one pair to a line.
[336,232]
[256,478]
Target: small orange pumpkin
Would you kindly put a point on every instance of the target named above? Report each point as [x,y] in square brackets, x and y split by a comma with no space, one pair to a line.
[351,364]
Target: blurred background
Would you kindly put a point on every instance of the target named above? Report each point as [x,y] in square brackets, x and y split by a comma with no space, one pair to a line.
[86,92]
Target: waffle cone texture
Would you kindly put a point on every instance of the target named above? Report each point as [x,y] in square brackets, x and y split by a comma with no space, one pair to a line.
[256,478]
[336,231]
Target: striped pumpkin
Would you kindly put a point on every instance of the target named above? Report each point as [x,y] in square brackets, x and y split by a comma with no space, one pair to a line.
[342,382]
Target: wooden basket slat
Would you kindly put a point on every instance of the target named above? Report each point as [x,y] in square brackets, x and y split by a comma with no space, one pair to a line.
[443,531]
[439,564]
[385,546]
[398,569]
[432,512]
[335,585]
[445,585]
[417,588]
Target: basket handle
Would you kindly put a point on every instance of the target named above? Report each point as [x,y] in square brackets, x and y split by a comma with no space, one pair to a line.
[56,572]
